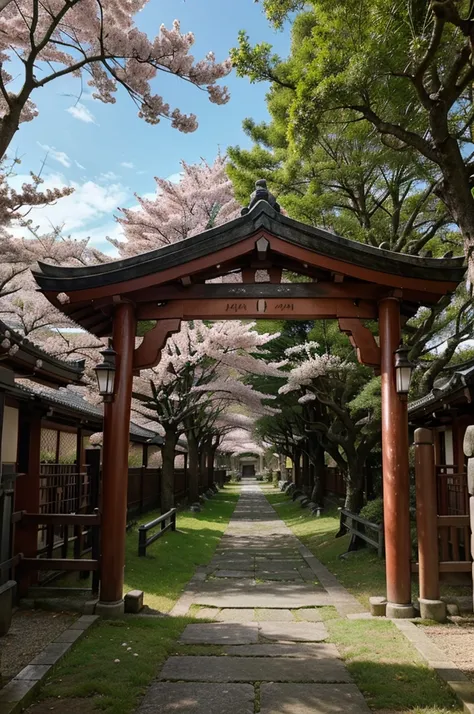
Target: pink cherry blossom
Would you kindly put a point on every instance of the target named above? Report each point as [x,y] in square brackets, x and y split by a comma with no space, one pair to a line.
[96,40]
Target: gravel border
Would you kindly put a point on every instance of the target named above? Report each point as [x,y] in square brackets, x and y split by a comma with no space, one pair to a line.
[456,680]
[19,692]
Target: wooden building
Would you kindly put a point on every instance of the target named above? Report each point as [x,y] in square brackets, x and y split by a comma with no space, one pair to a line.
[448,410]
[48,466]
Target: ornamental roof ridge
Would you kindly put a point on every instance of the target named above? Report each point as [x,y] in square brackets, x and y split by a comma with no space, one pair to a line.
[261,216]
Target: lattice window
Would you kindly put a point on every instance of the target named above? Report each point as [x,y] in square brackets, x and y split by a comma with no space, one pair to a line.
[49,441]
[67,447]
[135,455]
[154,457]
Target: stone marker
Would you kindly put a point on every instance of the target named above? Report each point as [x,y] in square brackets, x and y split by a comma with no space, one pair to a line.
[133,601]
[378,606]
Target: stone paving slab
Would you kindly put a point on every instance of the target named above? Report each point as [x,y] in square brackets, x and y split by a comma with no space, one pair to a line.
[309,614]
[220,633]
[196,698]
[293,632]
[277,595]
[266,614]
[320,650]
[229,615]
[312,699]
[278,565]
[207,613]
[282,576]
[233,565]
[231,574]
[247,669]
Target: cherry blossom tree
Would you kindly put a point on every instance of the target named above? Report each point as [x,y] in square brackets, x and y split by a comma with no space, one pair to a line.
[97,40]
[203,198]
[347,429]
[198,377]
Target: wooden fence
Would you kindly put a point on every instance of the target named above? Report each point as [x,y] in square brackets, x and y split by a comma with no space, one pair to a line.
[334,482]
[144,489]
[452,494]
[144,541]
[361,529]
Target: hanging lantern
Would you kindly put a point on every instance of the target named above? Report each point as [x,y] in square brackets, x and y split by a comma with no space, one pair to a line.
[105,373]
[403,370]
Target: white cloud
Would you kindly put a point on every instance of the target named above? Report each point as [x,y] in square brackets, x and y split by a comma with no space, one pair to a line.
[79,111]
[99,234]
[56,155]
[175,178]
[109,176]
[127,165]
[80,165]
[84,211]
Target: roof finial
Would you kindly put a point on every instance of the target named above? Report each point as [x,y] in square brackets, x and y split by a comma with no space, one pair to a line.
[261,193]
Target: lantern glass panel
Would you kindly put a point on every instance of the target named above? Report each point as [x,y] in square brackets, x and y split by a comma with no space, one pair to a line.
[403,379]
[105,379]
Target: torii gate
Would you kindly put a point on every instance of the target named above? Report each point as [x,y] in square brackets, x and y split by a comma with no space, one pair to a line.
[349,281]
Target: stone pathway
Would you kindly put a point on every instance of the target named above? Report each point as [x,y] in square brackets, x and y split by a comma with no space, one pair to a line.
[262,591]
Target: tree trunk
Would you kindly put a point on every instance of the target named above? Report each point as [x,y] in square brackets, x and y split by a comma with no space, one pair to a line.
[319,486]
[193,470]
[297,467]
[202,465]
[210,465]
[167,471]
[283,472]
[9,127]
[455,190]
[354,488]
[305,474]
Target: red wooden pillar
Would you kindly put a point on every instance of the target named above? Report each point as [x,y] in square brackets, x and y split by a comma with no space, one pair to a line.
[115,465]
[27,491]
[396,486]
[431,607]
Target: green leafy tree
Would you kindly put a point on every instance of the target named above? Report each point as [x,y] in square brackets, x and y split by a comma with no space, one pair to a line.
[403,69]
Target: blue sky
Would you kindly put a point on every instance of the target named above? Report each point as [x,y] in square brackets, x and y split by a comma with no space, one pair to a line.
[107,153]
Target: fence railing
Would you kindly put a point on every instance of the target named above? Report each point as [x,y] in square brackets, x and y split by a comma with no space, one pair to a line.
[144,541]
[443,540]
[452,494]
[358,527]
[80,525]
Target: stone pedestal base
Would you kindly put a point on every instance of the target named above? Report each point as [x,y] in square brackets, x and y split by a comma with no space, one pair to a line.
[433,610]
[134,601]
[378,606]
[397,612]
[109,610]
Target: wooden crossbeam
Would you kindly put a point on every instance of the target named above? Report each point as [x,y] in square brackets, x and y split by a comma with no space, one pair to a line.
[276,308]
[59,564]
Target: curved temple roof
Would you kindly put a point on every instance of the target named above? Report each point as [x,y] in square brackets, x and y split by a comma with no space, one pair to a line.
[289,245]
[28,360]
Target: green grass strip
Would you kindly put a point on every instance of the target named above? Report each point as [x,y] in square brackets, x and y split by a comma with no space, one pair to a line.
[388,670]
[171,560]
[90,675]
